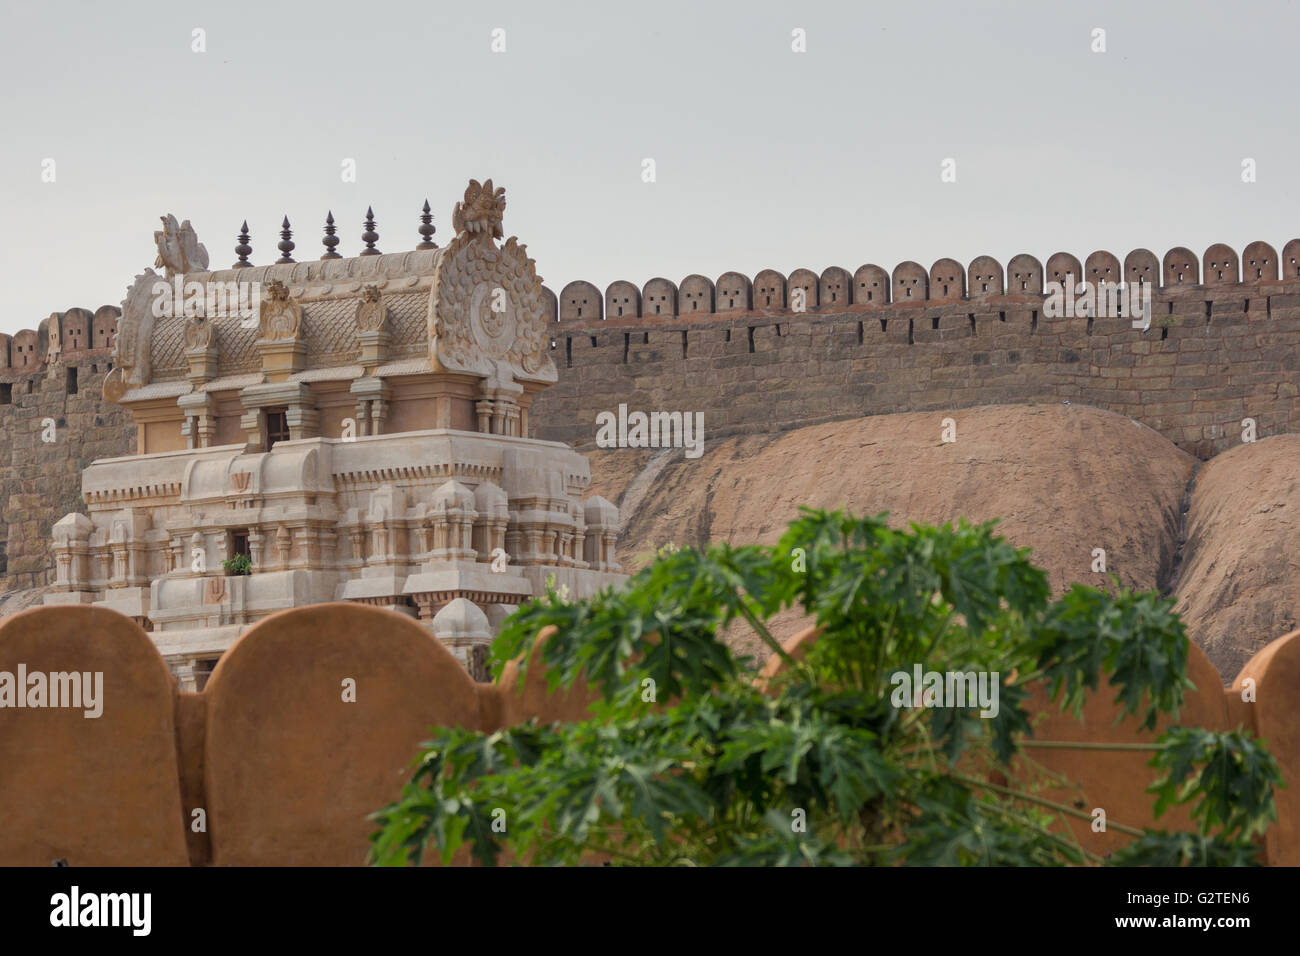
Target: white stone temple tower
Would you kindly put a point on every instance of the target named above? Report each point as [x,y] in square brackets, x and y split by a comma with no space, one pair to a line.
[361,434]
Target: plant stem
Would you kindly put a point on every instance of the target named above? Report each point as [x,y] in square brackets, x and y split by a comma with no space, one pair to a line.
[1025,821]
[764,634]
[1059,807]
[1082,745]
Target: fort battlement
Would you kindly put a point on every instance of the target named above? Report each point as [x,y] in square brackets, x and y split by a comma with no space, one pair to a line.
[910,284]
[54,421]
[63,337]
[1221,346]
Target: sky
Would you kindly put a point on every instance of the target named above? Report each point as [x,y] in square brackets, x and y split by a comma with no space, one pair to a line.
[763,157]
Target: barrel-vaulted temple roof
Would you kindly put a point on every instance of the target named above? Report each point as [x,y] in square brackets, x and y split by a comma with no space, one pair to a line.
[474,307]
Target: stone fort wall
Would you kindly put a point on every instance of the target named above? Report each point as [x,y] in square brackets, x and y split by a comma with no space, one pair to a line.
[1221,346]
[51,387]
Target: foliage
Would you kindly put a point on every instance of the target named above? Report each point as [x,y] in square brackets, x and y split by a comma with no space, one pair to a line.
[238,564]
[689,760]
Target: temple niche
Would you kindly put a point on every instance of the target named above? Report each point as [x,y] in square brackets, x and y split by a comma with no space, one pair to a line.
[360,434]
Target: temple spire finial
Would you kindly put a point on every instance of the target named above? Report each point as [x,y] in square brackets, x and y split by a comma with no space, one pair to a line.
[242,248]
[285,245]
[370,236]
[427,229]
[330,240]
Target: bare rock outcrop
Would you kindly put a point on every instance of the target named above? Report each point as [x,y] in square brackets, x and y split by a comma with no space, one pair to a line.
[1238,585]
[1063,480]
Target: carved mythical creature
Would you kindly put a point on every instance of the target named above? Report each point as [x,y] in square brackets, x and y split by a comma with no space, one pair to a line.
[481,212]
[179,249]
[371,312]
[198,333]
[466,330]
[281,315]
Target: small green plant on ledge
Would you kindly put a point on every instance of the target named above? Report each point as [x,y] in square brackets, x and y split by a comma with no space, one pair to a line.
[239,564]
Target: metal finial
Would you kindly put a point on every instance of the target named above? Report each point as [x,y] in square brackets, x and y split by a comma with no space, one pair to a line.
[242,248]
[285,245]
[330,240]
[427,229]
[370,237]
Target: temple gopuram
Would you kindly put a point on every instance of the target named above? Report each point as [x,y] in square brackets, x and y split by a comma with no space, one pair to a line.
[360,433]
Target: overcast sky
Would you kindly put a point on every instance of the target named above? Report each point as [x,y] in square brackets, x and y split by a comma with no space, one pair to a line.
[764,157]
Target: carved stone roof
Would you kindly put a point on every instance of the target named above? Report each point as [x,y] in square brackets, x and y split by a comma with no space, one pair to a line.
[340,373]
[232,382]
[411,366]
[474,307]
[158,390]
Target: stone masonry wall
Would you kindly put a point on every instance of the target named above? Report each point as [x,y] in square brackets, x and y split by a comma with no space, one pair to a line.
[40,481]
[1214,355]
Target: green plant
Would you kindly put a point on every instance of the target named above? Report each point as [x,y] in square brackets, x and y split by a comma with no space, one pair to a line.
[688,760]
[644,558]
[238,564]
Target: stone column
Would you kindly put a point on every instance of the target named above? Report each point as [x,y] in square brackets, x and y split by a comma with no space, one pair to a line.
[372,404]
[196,543]
[579,548]
[105,558]
[311,546]
[119,566]
[283,545]
[378,544]
[303,422]
[255,542]
[185,675]
[207,431]
[329,544]
[200,426]
[63,567]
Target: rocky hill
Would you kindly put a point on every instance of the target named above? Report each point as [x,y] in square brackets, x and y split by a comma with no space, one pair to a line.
[1239,583]
[1064,480]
